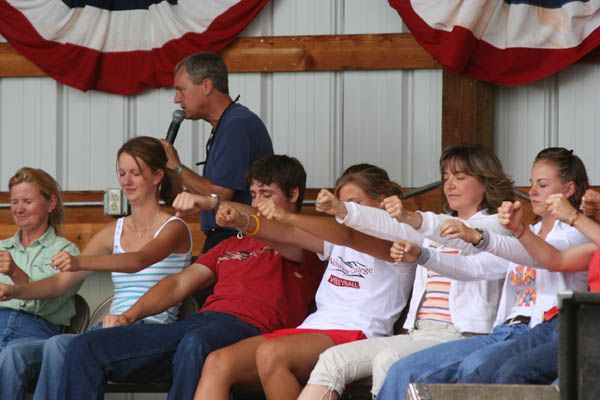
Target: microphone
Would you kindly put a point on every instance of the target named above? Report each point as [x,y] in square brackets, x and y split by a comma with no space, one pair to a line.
[178,116]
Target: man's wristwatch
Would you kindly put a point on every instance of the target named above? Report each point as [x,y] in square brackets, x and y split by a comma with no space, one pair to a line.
[178,169]
[217,201]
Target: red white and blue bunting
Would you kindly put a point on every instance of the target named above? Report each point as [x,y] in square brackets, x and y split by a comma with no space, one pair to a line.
[508,42]
[120,47]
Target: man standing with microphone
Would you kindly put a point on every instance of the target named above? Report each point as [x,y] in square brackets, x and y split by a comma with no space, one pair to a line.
[237,139]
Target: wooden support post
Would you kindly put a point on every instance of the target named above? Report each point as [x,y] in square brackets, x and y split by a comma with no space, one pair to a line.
[467,111]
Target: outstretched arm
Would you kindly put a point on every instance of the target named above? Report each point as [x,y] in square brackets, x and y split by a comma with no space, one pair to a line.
[368,220]
[169,291]
[47,288]
[560,208]
[481,266]
[329,230]
[288,240]
[54,285]
[98,256]
[569,259]
[393,205]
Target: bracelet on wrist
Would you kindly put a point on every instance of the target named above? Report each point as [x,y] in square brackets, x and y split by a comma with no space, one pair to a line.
[247,224]
[256,228]
[573,218]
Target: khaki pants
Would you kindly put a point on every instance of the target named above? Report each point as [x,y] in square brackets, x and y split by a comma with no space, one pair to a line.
[349,362]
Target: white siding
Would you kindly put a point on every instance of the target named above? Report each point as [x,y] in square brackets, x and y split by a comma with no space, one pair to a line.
[558,111]
[329,120]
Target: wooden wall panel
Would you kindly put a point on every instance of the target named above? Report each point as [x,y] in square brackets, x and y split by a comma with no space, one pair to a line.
[81,223]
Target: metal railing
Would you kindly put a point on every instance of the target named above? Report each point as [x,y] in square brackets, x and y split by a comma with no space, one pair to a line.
[68,204]
[407,195]
[435,185]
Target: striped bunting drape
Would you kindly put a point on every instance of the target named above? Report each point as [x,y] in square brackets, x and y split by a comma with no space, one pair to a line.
[120,46]
[507,42]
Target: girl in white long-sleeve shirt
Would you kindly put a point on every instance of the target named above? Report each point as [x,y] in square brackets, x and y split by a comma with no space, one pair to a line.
[528,291]
[441,308]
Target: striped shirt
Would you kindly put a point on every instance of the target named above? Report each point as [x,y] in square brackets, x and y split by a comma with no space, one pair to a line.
[435,302]
[435,305]
[129,287]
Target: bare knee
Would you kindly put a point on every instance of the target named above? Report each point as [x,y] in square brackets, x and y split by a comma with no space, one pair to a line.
[269,357]
[220,364]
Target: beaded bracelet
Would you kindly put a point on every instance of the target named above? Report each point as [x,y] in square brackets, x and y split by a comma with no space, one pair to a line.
[240,234]
[247,224]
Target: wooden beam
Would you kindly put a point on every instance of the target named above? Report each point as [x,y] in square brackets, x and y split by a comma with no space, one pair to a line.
[81,223]
[290,54]
[13,64]
[467,111]
[327,53]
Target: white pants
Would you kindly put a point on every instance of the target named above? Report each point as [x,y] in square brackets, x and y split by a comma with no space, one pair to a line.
[340,365]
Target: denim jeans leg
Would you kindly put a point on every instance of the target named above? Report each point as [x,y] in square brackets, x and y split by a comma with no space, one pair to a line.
[437,364]
[215,331]
[140,353]
[488,368]
[19,325]
[536,366]
[19,366]
[135,353]
[481,365]
[534,357]
[52,365]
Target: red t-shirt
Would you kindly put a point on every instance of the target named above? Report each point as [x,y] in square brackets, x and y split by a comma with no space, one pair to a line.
[260,287]
[594,272]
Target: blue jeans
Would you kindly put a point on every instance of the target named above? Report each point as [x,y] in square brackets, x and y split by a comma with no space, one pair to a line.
[22,336]
[148,353]
[532,358]
[19,324]
[443,363]
[53,355]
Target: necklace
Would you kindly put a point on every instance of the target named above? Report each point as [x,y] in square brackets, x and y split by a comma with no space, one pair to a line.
[143,232]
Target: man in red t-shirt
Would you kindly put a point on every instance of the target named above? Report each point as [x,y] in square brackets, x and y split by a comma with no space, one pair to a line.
[258,287]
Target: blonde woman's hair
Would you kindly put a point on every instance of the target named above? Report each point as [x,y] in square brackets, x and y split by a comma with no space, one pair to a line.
[47,186]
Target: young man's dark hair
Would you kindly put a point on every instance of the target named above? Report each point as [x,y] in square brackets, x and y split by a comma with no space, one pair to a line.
[285,171]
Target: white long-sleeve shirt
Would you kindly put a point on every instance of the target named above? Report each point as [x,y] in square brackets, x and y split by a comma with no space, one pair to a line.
[431,226]
[377,222]
[472,304]
[548,283]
